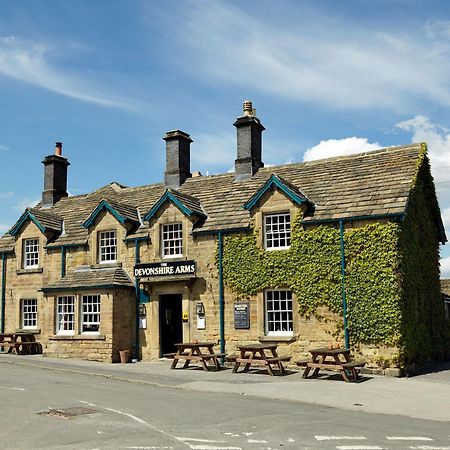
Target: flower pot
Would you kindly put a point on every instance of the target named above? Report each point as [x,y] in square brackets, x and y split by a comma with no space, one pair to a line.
[124,356]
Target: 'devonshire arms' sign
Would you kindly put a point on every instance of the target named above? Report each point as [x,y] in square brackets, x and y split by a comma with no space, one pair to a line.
[166,268]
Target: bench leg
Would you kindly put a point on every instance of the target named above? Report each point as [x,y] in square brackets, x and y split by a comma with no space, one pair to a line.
[174,362]
[344,375]
[306,372]
[269,368]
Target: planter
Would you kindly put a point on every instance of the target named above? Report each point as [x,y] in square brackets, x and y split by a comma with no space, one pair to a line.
[124,356]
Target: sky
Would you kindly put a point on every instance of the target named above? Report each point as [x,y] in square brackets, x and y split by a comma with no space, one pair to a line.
[108,78]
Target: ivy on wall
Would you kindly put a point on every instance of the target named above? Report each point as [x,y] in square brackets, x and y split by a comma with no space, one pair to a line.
[392,275]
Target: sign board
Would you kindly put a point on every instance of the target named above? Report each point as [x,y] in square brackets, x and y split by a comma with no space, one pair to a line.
[165,269]
[241,315]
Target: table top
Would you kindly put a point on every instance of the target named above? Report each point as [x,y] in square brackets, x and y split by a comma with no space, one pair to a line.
[195,344]
[257,346]
[329,351]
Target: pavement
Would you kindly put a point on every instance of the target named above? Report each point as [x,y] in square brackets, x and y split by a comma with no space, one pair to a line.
[424,396]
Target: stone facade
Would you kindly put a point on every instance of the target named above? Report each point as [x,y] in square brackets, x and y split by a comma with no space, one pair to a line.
[154,312]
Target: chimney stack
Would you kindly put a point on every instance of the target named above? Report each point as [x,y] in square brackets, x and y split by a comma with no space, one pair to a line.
[55,177]
[178,158]
[249,143]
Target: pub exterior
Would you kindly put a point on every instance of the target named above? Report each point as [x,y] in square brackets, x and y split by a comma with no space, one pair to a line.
[281,254]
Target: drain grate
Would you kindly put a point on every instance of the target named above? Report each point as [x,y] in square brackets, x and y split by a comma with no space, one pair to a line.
[67,413]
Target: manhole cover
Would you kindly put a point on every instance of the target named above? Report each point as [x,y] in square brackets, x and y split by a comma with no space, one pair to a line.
[67,413]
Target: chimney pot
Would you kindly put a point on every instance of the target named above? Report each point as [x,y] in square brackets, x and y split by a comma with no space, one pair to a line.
[58,148]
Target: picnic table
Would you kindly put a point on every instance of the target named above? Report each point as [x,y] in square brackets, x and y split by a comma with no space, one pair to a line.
[19,342]
[336,359]
[261,355]
[202,352]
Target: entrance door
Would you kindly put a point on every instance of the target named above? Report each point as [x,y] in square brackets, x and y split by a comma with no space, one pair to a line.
[170,322]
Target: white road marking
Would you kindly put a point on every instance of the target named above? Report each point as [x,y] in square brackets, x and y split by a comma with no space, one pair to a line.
[12,388]
[359,447]
[427,447]
[291,440]
[129,415]
[183,439]
[150,448]
[213,447]
[87,403]
[337,438]
[255,441]
[408,438]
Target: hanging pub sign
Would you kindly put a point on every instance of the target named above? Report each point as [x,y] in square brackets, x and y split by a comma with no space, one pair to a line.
[164,269]
[241,315]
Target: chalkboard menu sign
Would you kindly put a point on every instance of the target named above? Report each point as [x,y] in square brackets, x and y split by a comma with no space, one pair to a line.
[241,315]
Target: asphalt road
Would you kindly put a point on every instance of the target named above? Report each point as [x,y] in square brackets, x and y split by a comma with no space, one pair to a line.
[41,409]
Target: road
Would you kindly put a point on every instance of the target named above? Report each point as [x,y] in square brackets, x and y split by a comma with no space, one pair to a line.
[114,414]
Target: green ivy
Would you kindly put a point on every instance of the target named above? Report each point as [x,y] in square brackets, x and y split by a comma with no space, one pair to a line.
[392,274]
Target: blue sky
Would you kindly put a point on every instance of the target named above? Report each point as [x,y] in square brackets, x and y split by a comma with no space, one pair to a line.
[108,78]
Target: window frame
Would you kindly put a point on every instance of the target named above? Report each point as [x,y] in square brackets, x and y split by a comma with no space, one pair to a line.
[108,246]
[290,313]
[168,240]
[277,235]
[24,314]
[66,311]
[95,312]
[26,253]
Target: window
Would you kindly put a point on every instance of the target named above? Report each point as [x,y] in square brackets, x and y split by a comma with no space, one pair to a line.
[65,315]
[172,240]
[278,312]
[277,231]
[29,313]
[90,314]
[107,246]
[30,253]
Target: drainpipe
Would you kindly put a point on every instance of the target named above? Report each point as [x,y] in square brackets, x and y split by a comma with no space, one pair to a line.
[2,324]
[344,299]
[137,259]
[221,296]
[63,262]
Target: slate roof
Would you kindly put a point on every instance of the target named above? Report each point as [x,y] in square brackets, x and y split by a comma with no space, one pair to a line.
[87,277]
[368,184]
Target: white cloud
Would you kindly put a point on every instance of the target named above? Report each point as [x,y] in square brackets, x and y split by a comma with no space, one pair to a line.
[336,65]
[31,63]
[4,148]
[338,147]
[445,267]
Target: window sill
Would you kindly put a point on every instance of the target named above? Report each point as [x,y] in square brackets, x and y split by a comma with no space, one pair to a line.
[29,330]
[28,271]
[278,338]
[106,265]
[77,337]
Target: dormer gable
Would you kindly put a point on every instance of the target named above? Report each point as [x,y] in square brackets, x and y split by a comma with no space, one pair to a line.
[288,189]
[120,211]
[44,221]
[187,204]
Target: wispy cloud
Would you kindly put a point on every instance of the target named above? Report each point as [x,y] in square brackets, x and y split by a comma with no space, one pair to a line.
[336,65]
[25,203]
[4,228]
[6,195]
[4,148]
[32,63]
[338,147]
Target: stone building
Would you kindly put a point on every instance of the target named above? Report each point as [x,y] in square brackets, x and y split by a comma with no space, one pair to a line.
[141,268]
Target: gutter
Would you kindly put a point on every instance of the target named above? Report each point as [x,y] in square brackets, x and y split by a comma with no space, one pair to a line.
[137,258]
[401,216]
[221,296]
[344,298]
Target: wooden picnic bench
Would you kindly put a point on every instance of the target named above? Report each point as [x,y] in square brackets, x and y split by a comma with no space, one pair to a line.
[256,354]
[336,359]
[195,352]
[20,343]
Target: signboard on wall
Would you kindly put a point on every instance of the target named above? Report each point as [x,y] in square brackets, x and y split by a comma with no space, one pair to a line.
[165,269]
[241,315]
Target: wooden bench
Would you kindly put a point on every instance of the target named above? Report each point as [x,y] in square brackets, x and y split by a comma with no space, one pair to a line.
[21,348]
[302,362]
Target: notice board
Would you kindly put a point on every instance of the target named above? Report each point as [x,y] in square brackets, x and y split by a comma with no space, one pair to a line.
[241,315]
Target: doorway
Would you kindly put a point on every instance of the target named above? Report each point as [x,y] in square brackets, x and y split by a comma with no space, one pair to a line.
[170,322]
